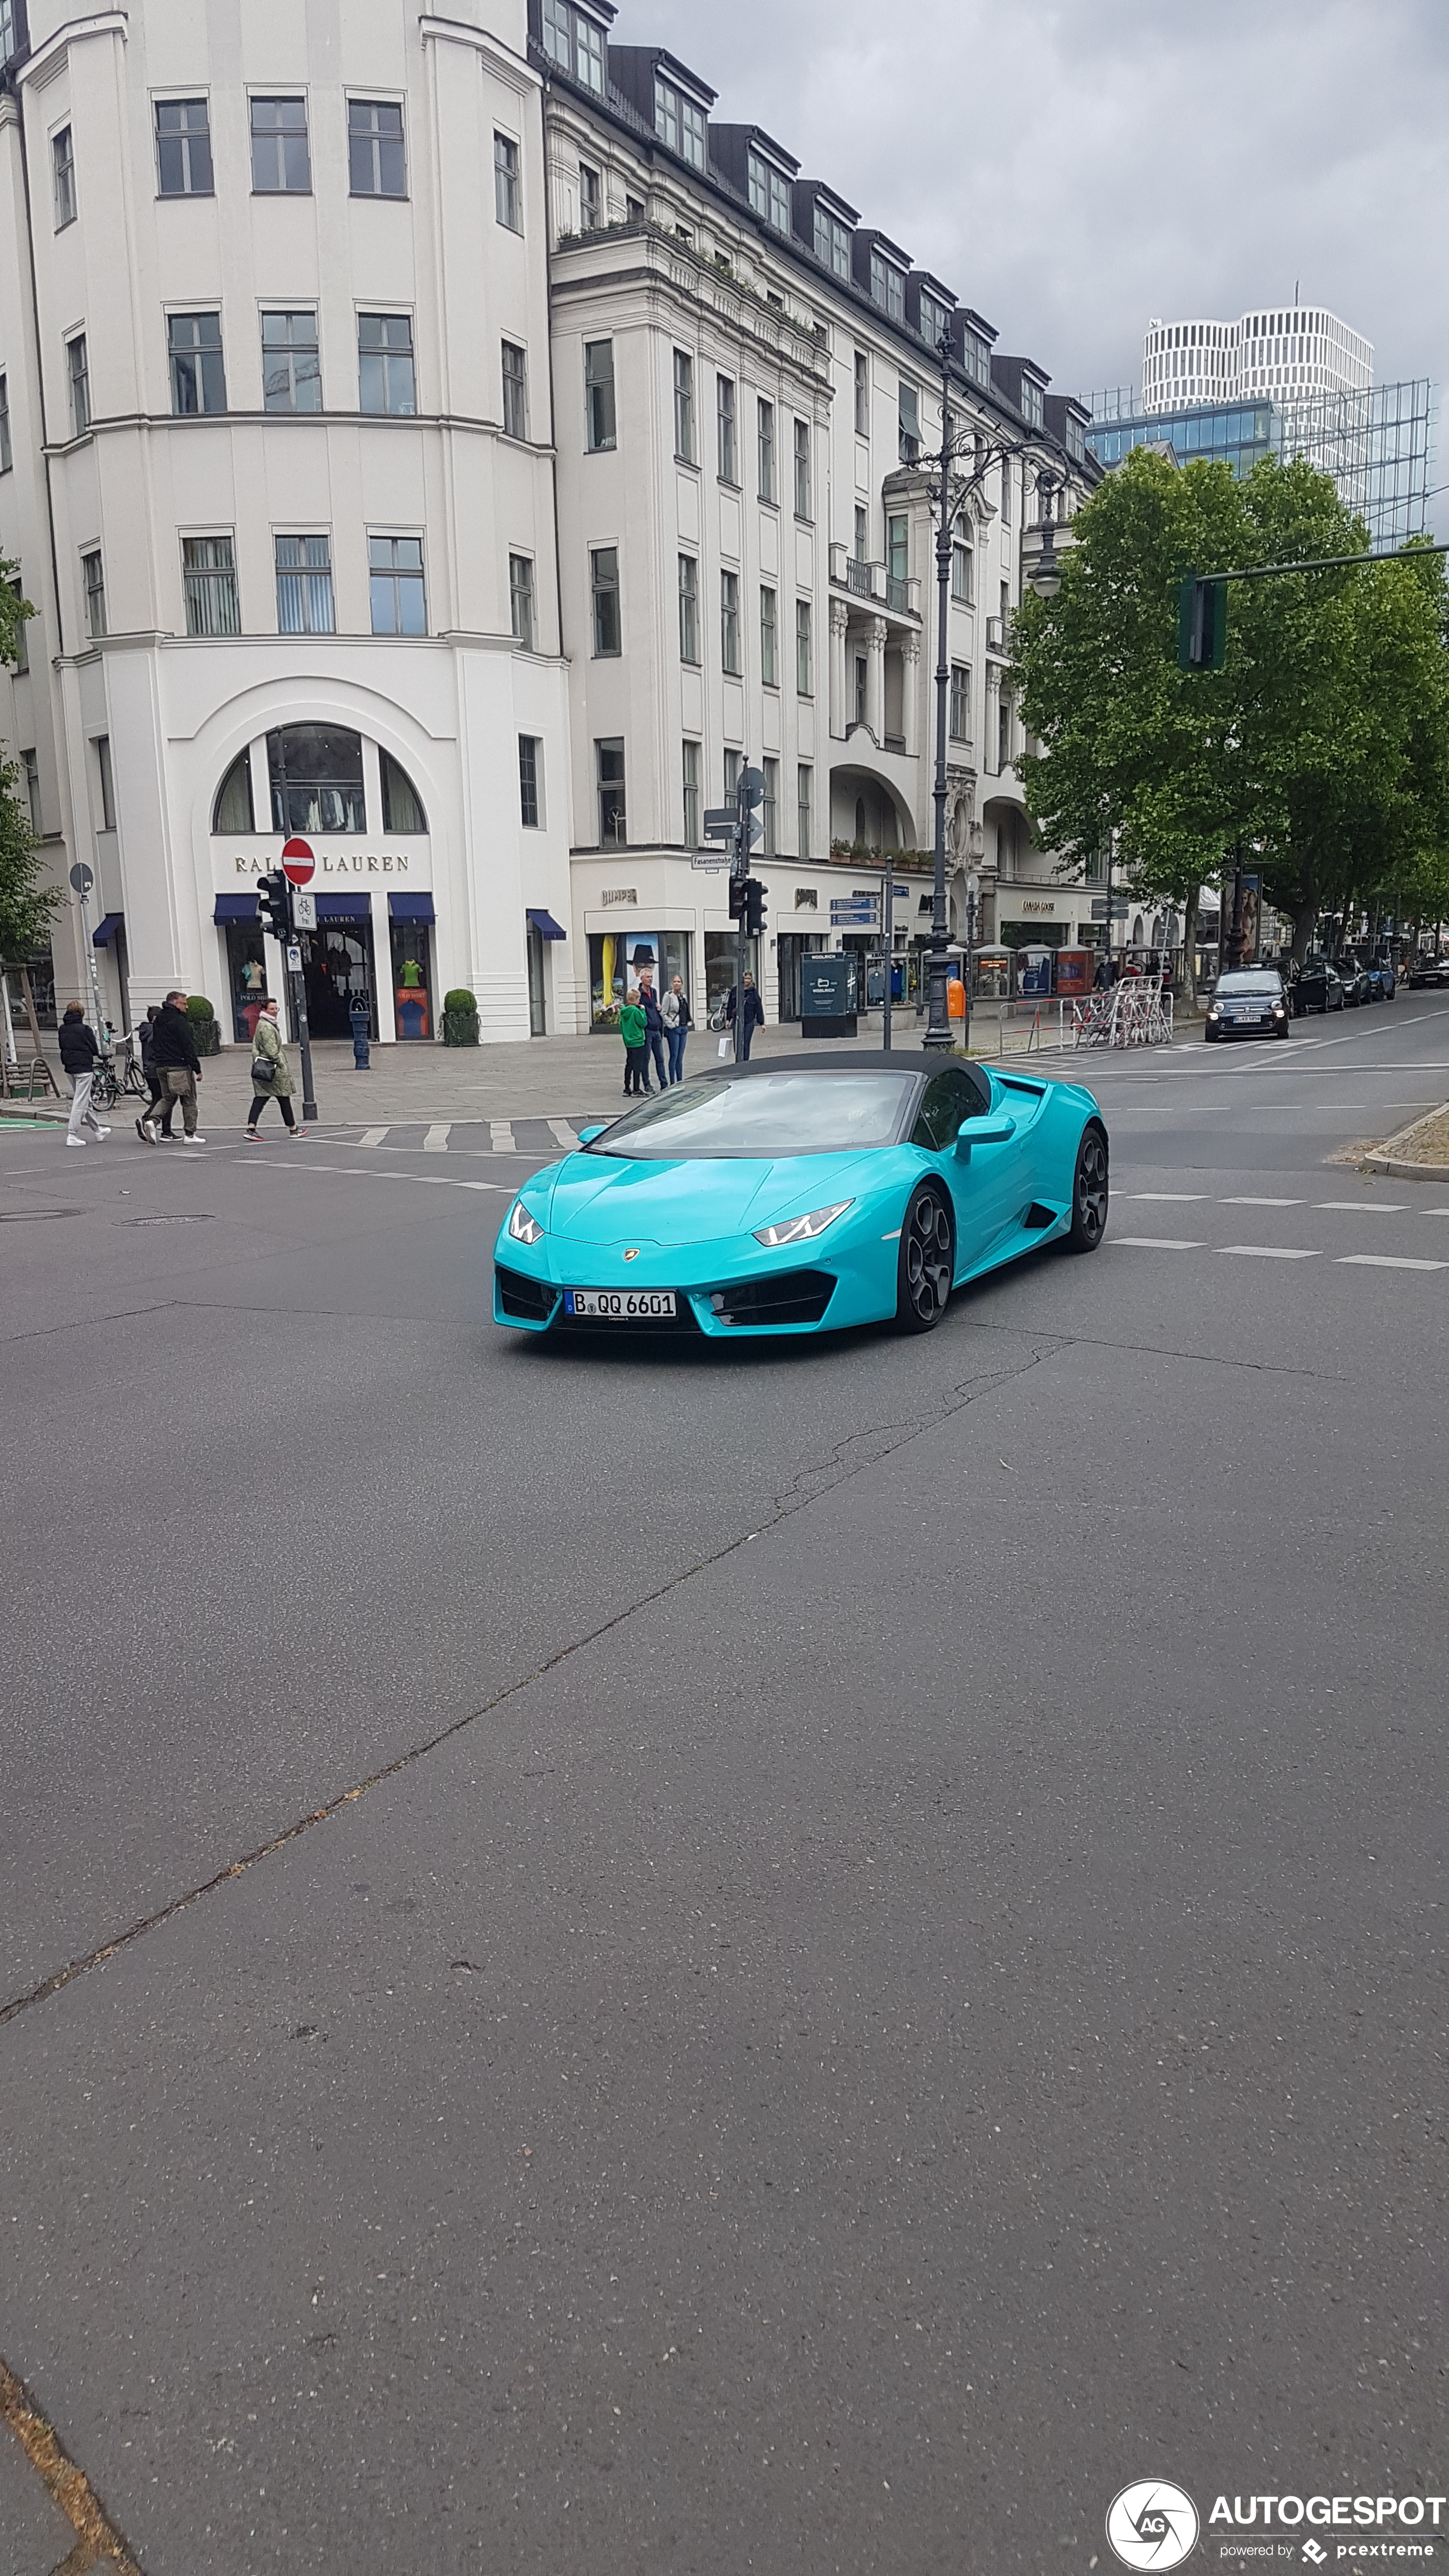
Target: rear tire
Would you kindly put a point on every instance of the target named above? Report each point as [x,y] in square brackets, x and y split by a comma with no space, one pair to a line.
[1089,1191]
[926,1265]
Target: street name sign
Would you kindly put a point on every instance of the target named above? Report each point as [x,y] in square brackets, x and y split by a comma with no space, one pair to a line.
[713,860]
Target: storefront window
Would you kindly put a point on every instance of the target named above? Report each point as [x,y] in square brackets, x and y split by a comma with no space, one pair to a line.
[338,968]
[246,968]
[412,997]
[721,957]
[618,958]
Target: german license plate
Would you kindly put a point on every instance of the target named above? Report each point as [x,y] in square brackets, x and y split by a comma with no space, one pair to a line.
[620,1305]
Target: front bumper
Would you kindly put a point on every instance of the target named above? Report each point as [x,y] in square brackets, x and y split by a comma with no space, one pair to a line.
[726,1291]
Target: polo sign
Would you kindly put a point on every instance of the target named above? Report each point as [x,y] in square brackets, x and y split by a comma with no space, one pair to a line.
[298,865]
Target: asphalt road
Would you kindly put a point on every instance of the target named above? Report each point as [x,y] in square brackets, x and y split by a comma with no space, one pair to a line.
[843,1956]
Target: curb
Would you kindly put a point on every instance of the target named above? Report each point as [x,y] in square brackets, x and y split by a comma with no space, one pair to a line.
[1403,1171]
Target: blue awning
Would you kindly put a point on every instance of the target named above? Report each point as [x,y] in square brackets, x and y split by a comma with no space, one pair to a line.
[544,923]
[344,907]
[410,907]
[235,907]
[105,933]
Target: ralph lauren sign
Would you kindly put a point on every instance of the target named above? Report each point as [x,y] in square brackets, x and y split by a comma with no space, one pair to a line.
[360,866]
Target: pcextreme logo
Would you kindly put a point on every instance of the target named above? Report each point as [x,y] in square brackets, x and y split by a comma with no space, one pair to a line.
[1152,2524]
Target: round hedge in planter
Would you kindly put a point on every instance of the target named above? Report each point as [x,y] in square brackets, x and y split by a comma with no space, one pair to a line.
[203,1024]
[460,1017]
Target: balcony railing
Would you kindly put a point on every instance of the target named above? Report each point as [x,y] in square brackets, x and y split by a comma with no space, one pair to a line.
[873,582]
[898,595]
[998,634]
[859,578]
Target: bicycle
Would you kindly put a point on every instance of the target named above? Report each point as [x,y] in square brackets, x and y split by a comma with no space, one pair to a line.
[107,1086]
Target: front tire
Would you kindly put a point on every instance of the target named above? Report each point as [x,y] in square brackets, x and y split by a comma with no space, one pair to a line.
[926,1264]
[1089,1192]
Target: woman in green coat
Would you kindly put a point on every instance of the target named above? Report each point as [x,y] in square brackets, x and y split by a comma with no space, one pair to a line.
[270,1077]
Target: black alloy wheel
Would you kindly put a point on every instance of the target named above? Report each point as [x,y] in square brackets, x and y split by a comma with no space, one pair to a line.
[1089,1192]
[926,1266]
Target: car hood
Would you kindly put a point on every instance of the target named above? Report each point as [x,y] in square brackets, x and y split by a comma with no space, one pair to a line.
[600,1198]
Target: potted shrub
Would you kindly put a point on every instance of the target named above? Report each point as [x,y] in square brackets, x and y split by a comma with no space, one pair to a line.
[203,1024]
[460,1017]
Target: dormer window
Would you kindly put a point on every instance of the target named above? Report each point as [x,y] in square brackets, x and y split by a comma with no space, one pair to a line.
[573,42]
[678,122]
[887,287]
[832,242]
[935,319]
[976,355]
[769,192]
[1030,401]
[1076,440]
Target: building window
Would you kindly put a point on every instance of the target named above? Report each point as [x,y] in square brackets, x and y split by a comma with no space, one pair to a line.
[887,287]
[976,354]
[402,806]
[529,747]
[862,687]
[506,196]
[376,163]
[515,391]
[910,423]
[107,782]
[599,394]
[862,394]
[5,454]
[770,810]
[62,157]
[573,42]
[684,406]
[734,762]
[609,766]
[804,799]
[304,586]
[281,164]
[291,366]
[960,715]
[22,633]
[688,609]
[1031,402]
[198,376]
[691,795]
[315,775]
[1003,731]
[232,810]
[862,533]
[769,615]
[832,243]
[604,592]
[1076,439]
[804,658]
[591,206]
[183,147]
[725,406]
[769,192]
[31,767]
[93,581]
[1006,491]
[633,210]
[765,448]
[729,620]
[78,370]
[935,319]
[898,546]
[208,577]
[395,574]
[520,599]
[802,469]
[386,375]
[678,122]
[961,567]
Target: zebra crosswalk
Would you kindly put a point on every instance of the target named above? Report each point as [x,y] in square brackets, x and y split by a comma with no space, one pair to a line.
[538,1139]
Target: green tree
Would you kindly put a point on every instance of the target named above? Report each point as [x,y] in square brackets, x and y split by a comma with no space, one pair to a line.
[27,906]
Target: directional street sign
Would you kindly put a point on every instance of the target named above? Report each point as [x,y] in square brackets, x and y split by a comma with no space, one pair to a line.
[1119,909]
[719,822]
[859,916]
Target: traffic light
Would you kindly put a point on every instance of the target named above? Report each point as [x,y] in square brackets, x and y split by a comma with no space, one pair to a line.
[754,907]
[739,897]
[273,904]
[1202,624]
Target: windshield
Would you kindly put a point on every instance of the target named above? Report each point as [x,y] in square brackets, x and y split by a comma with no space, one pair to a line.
[1238,983]
[760,1115]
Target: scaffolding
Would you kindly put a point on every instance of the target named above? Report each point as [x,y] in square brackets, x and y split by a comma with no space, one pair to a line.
[1376,444]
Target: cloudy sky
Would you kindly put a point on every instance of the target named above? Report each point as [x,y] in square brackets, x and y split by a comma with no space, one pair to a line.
[1074,166]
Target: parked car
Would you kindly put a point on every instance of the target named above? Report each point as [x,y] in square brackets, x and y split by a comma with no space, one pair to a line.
[1383,982]
[1318,988]
[1353,976]
[1249,1001]
[1428,971]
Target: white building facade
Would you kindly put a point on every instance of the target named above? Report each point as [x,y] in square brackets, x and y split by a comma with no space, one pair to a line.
[433,437]
[1286,351]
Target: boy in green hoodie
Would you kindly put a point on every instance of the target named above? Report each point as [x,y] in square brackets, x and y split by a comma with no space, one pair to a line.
[632,1030]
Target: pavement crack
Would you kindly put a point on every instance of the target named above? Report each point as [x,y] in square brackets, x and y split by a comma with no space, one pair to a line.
[98,2542]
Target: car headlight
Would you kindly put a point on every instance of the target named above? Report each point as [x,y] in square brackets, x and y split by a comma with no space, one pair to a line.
[1213,1012]
[523,1227]
[801,1229]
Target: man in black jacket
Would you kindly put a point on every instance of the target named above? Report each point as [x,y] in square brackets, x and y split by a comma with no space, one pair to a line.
[173,1052]
[653,1029]
[78,1054]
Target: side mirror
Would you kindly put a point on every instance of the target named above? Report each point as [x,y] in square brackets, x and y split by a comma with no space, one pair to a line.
[587,1134]
[994,1127]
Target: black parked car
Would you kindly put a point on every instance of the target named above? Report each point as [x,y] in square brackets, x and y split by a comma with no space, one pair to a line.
[1354,978]
[1318,988]
[1428,972]
[1249,1001]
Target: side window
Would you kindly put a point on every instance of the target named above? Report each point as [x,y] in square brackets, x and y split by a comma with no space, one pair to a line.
[949,1097]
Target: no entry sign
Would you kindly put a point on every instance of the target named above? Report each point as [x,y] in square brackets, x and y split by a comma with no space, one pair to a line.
[298,865]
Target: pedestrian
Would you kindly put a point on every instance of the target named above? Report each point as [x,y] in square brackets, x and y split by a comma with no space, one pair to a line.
[173,1047]
[750,1018]
[653,1030]
[271,1075]
[632,1029]
[145,1034]
[678,1020]
[78,1055]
